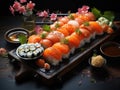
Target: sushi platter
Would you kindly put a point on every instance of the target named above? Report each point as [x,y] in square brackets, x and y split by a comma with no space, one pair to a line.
[63,46]
[57,72]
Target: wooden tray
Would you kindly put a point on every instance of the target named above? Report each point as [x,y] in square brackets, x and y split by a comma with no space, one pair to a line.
[66,65]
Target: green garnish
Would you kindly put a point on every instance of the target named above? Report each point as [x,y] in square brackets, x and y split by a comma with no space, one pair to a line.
[46,28]
[22,38]
[57,25]
[71,17]
[96,12]
[78,31]
[86,23]
[43,35]
[65,41]
[107,14]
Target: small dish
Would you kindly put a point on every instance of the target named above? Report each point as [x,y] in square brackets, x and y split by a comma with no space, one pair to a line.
[97,61]
[11,35]
[110,49]
[29,51]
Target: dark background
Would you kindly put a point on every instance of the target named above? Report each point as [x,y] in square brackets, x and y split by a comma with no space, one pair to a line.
[64,5]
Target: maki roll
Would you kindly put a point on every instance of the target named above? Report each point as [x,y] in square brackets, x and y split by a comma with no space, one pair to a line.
[29,51]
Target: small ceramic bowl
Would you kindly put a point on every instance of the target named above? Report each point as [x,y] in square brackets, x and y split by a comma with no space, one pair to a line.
[110,50]
[11,35]
[96,61]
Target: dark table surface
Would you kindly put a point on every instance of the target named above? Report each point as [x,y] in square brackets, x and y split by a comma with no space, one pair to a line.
[82,77]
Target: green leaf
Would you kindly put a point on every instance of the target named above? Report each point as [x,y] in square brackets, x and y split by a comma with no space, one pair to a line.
[71,17]
[22,38]
[65,41]
[109,15]
[96,12]
[43,35]
[57,25]
[86,23]
[78,31]
[46,28]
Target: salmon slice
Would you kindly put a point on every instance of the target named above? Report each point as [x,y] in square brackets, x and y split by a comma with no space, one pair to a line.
[70,28]
[34,39]
[96,26]
[46,43]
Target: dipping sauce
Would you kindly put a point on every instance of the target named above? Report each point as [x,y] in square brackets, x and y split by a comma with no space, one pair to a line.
[15,35]
[112,50]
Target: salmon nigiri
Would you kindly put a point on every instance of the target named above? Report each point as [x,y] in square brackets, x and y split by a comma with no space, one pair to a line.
[80,36]
[70,28]
[55,36]
[89,28]
[34,39]
[64,49]
[73,42]
[86,34]
[52,55]
[64,19]
[97,27]
[46,43]
[63,30]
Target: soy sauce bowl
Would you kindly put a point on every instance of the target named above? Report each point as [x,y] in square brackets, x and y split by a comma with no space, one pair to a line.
[11,36]
[110,50]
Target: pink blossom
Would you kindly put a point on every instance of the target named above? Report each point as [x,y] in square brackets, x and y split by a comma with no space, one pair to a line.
[38,29]
[83,10]
[53,16]
[3,51]
[16,5]
[42,14]
[23,1]
[30,5]
[22,9]
[12,10]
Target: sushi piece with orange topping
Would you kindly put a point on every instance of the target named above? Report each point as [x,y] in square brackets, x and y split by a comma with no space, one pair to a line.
[70,28]
[80,36]
[73,42]
[64,19]
[86,26]
[74,23]
[63,31]
[97,27]
[64,49]
[52,55]
[86,34]
[55,36]
[46,43]
[34,39]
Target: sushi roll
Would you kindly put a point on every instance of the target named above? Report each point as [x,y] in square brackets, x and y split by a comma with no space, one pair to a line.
[29,51]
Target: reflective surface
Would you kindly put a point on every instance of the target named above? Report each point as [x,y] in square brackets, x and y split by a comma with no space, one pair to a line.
[82,77]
